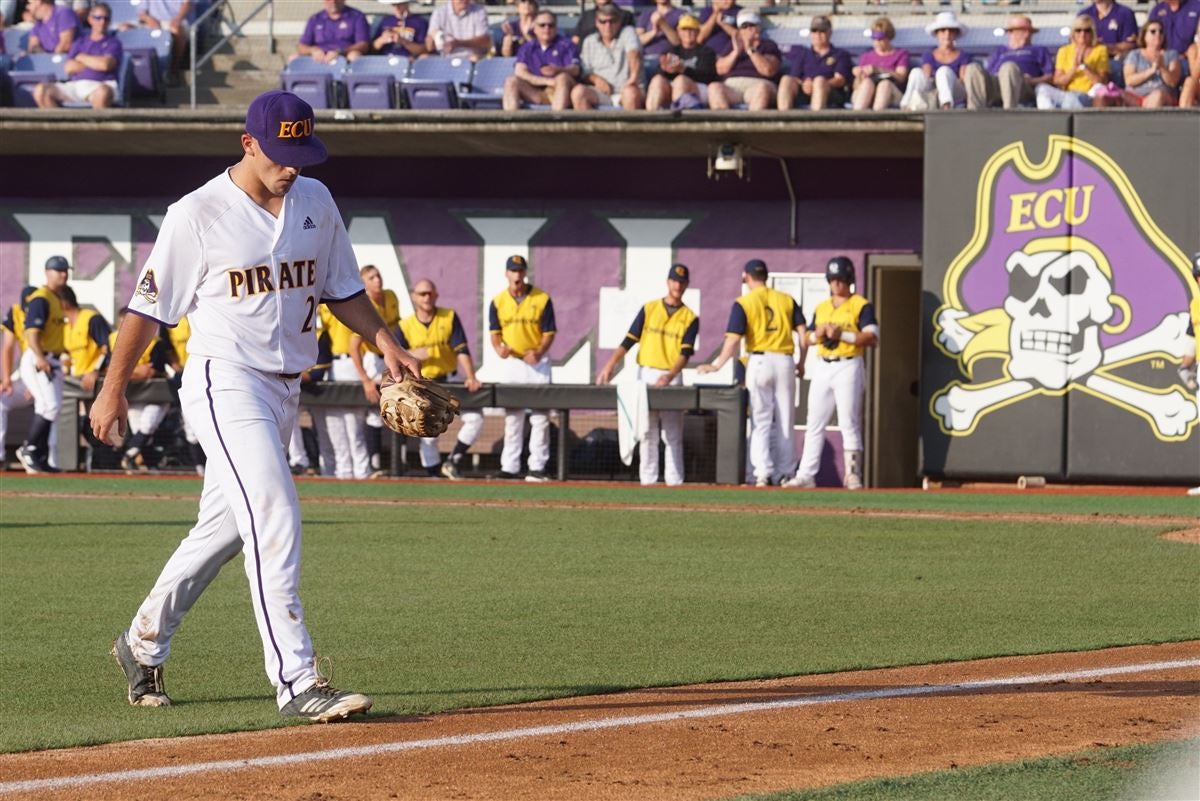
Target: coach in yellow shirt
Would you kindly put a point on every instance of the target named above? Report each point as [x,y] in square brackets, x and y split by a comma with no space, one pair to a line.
[521,323]
[664,332]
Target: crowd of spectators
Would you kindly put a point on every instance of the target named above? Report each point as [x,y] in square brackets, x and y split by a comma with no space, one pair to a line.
[718,57]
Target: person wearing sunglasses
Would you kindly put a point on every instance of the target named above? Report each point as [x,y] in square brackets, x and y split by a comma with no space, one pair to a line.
[55,27]
[1080,72]
[1013,72]
[546,69]
[91,66]
[1152,71]
[611,61]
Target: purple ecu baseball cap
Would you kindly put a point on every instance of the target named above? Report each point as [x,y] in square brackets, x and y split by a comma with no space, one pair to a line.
[515,263]
[283,125]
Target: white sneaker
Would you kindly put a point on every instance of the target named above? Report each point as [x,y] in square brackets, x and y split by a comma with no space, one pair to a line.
[1194,492]
[800,482]
[762,482]
[854,482]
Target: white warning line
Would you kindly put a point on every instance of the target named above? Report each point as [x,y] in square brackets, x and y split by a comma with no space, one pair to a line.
[357,752]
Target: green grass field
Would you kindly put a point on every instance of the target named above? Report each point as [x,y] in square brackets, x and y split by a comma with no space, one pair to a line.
[432,608]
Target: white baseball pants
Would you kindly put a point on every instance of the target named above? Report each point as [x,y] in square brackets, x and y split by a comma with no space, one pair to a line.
[771,381]
[837,384]
[345,426]
[243,419]
[47,390]
[145,418]
[665,425]
[18,399]
[472,424]
[516,371]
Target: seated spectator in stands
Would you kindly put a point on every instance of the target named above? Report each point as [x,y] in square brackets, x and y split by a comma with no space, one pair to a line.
[8,16]
[1080,71]
[1116,29]
[402,33]
[881,71]
[170,15]
[938,83]
[546,70]
[611,66]
[1189,93]
[1014,71]
[748,72]
[1152,71]
[459,28]
[1179,19]
[587,22]
[334,31]
[91,64]
[656,27]
[821,73]
[684,71]
[520,30]
[55,27]
[718,25]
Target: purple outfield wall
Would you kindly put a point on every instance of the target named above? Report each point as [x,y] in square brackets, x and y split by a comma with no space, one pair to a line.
[599,234]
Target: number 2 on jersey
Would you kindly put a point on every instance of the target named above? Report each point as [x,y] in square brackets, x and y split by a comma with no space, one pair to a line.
[312,310]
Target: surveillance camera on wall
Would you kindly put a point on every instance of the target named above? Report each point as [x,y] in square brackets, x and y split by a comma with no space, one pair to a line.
[727,158]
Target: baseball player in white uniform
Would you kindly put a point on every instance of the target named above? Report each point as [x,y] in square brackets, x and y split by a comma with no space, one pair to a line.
[247,257]
[844,326]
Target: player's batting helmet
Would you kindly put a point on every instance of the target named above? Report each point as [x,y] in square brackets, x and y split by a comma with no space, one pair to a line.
[841,268]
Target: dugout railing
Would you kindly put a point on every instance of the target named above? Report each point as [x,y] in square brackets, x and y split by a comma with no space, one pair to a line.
[726,405]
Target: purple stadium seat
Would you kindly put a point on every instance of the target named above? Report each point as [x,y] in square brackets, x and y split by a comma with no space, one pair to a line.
[14,42]
[125,11]
[150,51]
[434,82]
[319,84]
[788,37]
[855,39]
[487,84]
[371,81]
[30,70]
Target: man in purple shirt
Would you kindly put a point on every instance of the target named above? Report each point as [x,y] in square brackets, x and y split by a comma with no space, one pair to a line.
[336,30]
[748,72]
[656,28]
[1013,73]
[402,33]
[92,66]
[55,30]
[820,74]
[718,25]
[1116,27]
[546,70]
[1179,20]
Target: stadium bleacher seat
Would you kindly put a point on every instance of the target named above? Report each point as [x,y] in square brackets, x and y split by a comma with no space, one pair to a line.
[34,68]
[150,51]
[125,12]
[434,82]
[14,42]
[856,39]
[787,38]
[981,40]
[487,83]
[914,40]
[319,84]
[371,81]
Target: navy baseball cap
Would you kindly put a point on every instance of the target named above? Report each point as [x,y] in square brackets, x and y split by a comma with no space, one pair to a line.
[57,263]
[516,263]
[679,272]
[755,267]
[283,124]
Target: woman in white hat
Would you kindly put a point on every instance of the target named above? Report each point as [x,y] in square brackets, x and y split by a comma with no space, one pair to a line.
[939,82]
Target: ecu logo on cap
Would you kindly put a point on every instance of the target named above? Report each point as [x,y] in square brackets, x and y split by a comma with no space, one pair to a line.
[295,129]
[678,270]
[518,260]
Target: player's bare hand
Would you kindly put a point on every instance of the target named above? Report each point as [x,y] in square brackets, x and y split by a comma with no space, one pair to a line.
[43,366]
[800,369]
[503,350]
[472,384]
[605,375]
[531,357]
[705,369]
[370,391]
[399,362]
[109,416]
[5,387]
[663,380]
[88,381]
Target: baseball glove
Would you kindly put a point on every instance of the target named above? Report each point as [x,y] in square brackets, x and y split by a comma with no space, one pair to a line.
[415,406]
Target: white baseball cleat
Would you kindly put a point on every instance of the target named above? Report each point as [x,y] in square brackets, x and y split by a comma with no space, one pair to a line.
[1194,492]
[323,703]
[800,482]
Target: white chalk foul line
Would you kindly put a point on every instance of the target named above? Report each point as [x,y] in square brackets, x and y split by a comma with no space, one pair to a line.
[580,726]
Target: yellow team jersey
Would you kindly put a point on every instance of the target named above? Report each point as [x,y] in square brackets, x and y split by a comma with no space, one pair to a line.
[339,334]
[144,358]
[661,341]
[52,332]
[390,313]
[179,336]
[521,321]
[769,315]
[18,319]
[86,353]
[443,357]
[845,317]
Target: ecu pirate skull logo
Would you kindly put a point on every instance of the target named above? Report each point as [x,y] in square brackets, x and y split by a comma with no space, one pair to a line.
[1067,285]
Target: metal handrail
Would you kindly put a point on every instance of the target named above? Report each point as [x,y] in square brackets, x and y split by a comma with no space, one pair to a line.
[236,29]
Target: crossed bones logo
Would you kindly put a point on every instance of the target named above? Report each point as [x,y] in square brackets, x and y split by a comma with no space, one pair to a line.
[1061,296]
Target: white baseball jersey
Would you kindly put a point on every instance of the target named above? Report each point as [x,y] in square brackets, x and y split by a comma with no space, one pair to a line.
[249,283]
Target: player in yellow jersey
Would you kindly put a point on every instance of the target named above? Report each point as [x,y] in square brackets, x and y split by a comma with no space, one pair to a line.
[41,369]
[767,318]
[664,332]
[522,328]
[368,362]
[144,418]
[435,336]
[13,392]
[1187,369]
[86,338]
[844,326]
